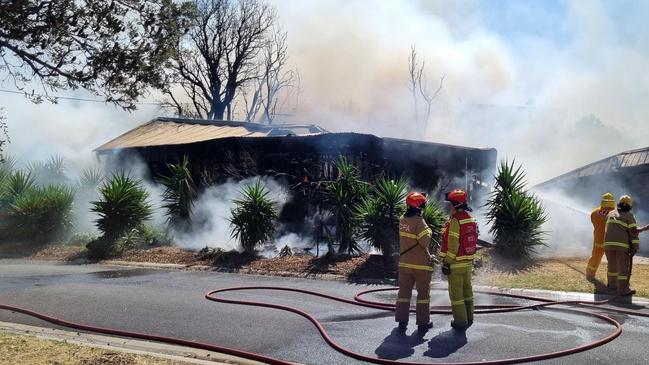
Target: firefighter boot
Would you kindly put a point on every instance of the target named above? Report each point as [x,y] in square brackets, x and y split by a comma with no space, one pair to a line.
[469,312]
[424,327]
[459,325]
[403,326]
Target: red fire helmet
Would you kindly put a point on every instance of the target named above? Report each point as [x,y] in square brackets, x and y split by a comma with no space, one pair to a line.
[415,200]
[457,196]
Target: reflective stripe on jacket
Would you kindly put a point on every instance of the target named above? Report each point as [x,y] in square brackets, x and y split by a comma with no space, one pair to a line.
[621,231]
[414,236]
[460,238]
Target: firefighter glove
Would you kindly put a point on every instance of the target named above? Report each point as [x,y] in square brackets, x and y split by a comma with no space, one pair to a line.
[446,269]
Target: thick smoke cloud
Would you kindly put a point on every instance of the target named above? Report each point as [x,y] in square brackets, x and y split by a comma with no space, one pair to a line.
[554,85]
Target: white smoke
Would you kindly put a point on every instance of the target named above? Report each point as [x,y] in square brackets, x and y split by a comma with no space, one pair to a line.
[210,222]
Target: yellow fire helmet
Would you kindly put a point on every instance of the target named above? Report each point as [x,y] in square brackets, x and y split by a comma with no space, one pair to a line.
[625,199]
[608,201]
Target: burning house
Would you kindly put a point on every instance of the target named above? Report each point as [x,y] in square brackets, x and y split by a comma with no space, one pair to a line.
[301,156]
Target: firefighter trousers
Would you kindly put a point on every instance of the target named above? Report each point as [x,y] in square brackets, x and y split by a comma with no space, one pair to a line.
[460,291]
[408,278]
[619,265]
[594,261]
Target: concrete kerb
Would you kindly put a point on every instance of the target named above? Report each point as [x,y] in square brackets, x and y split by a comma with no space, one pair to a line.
[137,347]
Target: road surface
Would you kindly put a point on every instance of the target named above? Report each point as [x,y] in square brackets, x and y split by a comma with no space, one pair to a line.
[172,303]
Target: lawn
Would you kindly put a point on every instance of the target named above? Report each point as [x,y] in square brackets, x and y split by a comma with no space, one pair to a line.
[20,350]
[566,274]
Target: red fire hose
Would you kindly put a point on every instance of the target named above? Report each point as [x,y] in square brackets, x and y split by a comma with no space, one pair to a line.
[359,301]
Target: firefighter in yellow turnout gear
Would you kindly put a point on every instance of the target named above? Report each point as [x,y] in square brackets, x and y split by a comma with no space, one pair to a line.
[598,217]
[458,247]
[415,264]
[620,244]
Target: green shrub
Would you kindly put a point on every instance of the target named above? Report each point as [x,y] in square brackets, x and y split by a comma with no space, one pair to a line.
[435,218]
[344,196]
[380,213]
[82,238]
[16,185]
[285,251]
[253,217]
[90,178]
[122,207]
[142,237]
[42,214]
[179,195]
[515,215]
[51,171]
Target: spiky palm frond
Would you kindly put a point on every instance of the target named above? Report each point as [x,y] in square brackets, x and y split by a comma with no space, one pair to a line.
[253,217]
[122,207]
[516,216]
[17,184]
[380,213]
[90,178]
[344,195]
[179,195]
[435,218]
[52,171]
[42,214]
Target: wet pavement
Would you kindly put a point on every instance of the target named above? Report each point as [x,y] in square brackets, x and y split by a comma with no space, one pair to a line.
[172,303]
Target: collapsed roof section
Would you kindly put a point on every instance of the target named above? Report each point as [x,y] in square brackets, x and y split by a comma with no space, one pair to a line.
[164,131]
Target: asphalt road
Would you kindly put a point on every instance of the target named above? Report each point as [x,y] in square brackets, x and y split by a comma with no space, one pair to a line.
[172,303]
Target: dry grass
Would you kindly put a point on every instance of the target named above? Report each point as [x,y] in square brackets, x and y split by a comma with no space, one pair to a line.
[567,274]
[20,350]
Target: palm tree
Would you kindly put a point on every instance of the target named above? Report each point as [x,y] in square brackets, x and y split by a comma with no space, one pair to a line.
[344,195]
[179,195]
[380,215]
[253,217]
[516,216]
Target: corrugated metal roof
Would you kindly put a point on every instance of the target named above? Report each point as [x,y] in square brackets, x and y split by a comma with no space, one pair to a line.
[172,131]
[624,160]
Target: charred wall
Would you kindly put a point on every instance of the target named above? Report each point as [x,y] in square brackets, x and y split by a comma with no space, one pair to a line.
[304,161]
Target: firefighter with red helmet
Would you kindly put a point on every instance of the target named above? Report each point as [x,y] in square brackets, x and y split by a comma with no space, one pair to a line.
[458,246]
[415,263]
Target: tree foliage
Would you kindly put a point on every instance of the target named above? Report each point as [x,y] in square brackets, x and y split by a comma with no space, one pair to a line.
[515,215]
[113,48]
[231,44]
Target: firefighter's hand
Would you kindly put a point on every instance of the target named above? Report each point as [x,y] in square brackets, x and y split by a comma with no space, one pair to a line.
[446,269]
[633,251]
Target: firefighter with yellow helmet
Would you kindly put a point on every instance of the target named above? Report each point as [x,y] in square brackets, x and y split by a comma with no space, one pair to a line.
[415,264]
[458,246]
[598,218]
[620,244]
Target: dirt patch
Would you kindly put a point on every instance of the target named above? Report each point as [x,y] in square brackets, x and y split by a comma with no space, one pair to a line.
[163,255]
[60,252]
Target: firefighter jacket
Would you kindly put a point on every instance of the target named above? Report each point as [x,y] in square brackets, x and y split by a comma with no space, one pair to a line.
[414,238]
[598,217]
[621,231]
[459,240]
